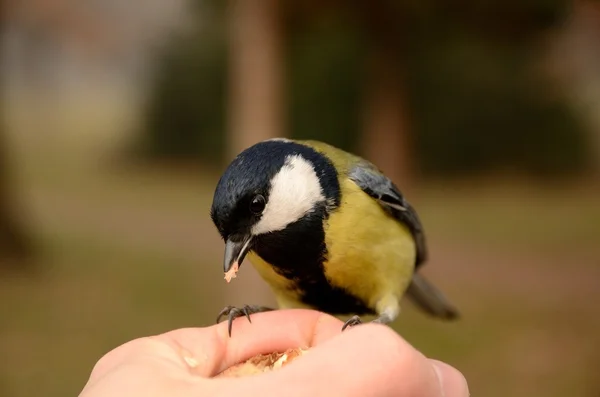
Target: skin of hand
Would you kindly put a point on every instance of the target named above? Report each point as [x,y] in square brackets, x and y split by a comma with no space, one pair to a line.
[369,359]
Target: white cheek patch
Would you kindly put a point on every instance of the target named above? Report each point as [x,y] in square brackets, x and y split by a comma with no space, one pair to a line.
[295,190]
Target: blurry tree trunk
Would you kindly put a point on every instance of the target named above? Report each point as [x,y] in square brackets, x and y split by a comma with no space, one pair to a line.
[14,243]
[256,100]
[574,60]
[256,103]
[591,28]
[386,136]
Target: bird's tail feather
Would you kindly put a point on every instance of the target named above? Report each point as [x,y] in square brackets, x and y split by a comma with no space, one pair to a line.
[429,299]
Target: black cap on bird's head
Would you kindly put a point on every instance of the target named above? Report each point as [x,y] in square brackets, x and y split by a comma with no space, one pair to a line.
[267,187]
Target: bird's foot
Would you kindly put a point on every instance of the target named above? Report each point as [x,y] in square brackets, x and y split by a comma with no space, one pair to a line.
[355,320]
[351,322]
[232,312]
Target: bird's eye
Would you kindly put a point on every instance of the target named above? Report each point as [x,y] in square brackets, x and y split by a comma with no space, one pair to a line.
[257,205]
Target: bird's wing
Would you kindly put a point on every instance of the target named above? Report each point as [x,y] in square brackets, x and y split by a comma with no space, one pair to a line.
[374,183]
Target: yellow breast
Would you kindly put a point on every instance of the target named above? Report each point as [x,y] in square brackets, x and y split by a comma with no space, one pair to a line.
[369,253]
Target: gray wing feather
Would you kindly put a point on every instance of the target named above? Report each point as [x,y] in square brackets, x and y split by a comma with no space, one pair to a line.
[374,183]
[420,291]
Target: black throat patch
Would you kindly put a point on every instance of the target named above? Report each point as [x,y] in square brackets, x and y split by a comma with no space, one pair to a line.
[299,254]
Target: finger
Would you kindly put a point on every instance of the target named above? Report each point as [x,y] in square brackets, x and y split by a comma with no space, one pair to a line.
[212,350]
[145,350]
[367,360]
[453,382]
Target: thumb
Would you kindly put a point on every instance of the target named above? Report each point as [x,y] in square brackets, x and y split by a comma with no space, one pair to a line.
[452,381]
[367,360]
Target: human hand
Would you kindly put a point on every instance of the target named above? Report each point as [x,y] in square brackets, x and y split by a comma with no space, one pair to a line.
[369,359]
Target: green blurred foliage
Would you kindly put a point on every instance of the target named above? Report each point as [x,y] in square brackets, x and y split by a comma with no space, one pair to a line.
[476,104]
[325,88]
[185,113]
[478,107]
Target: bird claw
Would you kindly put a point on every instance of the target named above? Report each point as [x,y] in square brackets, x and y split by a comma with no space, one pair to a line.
[232,312]
[351,322]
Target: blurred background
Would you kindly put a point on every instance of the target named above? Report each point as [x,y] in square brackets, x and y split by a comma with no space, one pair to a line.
[117,119]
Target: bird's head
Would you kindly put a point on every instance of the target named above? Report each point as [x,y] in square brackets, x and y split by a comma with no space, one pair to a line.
[267,188]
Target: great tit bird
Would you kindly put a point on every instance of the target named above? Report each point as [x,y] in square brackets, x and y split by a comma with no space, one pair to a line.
[325,229]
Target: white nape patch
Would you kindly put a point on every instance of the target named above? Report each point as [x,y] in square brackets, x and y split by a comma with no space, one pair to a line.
[278,140]
[295,190]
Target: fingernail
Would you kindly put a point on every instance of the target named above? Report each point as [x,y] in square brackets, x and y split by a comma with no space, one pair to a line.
[453,383]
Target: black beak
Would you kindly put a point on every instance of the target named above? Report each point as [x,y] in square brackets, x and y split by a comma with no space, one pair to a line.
[235,252]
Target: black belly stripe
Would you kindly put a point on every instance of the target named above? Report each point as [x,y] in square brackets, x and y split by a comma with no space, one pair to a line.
[298,253]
